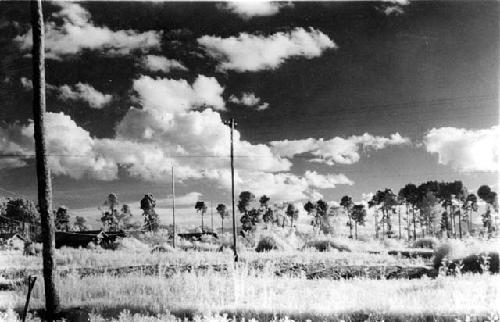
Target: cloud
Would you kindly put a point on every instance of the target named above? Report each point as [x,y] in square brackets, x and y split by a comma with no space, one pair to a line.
[76,32]
[156,63]
[188,199]
[392,10]
[328,181]
[86,93]
[71,149]
[338,149]
[249,52]
[170,95]
[169,129]
[465,150]
[254,8]
[249,99]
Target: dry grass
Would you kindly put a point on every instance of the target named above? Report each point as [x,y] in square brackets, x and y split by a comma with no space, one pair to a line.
[242,291]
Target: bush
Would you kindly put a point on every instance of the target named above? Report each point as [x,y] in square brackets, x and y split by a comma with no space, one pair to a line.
[130,243]
[266,244]
[31,248]
[165,248]
[325,245]
[451,250]
[426,243]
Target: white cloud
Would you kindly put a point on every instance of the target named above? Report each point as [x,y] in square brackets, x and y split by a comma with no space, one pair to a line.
[392,10]
[168,130]
[465,150]
[249,52]
[252,8]
[76,32]
[328,181]
[84,92]
[170,95]
[338,149]
[249,99]
[156,63]
[188,199]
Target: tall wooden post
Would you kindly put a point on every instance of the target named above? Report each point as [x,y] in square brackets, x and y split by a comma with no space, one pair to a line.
[42,169]
[231,124]
[173,209]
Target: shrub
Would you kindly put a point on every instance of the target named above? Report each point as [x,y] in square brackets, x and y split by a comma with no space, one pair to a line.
[426,243]
[165,248]
[451,250]
[130,243]
[324,245]
[266,244]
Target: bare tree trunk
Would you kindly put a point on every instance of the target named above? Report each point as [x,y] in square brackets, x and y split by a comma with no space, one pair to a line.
[350,224]
[460,224]
[399,221]
[356,230]
[383,224]
[414,224]
[42,169]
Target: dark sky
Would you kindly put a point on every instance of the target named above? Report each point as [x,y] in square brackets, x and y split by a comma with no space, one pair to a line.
[434,65]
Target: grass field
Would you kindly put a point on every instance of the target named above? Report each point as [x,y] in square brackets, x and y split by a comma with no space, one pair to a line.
[252,289]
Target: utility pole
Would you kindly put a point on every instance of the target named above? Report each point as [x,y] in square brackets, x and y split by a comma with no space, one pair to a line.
[231,124]
[173,209]
[42,169]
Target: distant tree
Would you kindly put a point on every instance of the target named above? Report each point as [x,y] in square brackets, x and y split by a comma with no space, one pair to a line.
[321,212]
[245,198]
[268,216]
[470,206]
[490,197]
[80,223]
[358,216]
[264,200]
[310,208]
[23,211]
[123,218]
[386,199]
[410,195]
[222,210]
[201,208]
[427,203]
[109,218]
[347,203]
[62,219]
[151,219]
[292,213]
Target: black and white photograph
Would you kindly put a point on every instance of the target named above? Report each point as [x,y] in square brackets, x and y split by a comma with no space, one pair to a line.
[249,160]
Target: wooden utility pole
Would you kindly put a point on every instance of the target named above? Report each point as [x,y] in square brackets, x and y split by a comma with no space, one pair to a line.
[173,209]
[42,169]
[231,125]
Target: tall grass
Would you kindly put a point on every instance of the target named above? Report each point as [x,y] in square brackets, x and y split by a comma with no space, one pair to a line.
[243,291]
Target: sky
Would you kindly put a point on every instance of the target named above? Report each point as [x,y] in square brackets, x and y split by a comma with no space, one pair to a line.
[330,98]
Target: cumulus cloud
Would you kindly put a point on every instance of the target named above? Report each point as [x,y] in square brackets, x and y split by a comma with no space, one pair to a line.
[170,95]
[168,130]
[157,63]
[249,99]
[338,149]
[254,8]
[249,52]
[465,150]
[71,148]
[86,93]
[74,31]
[328,181]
